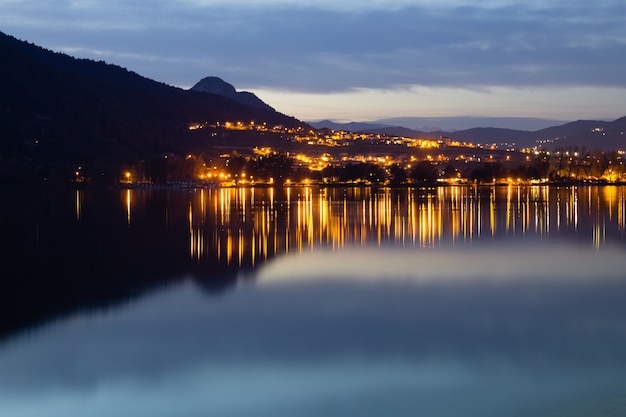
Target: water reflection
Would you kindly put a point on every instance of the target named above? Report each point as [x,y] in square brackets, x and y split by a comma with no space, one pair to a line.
[79,200]
[128,202]
[393,335]
[124,233]
[494,301]
[247,225]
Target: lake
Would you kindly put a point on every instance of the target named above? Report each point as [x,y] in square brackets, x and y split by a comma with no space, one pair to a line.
[450,301]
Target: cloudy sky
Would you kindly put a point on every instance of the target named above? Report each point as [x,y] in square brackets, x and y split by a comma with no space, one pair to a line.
[358,60]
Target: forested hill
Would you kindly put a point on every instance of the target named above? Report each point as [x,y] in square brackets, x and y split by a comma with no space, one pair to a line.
[57,111]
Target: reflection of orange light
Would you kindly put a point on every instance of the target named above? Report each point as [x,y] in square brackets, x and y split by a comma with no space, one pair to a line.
[248,230]
[128,206]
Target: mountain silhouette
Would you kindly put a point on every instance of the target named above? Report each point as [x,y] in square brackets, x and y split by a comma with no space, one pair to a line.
[58,113]
[216,85]
[591,134]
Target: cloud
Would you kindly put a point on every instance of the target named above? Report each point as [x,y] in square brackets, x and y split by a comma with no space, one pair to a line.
[563,103]
[331,47]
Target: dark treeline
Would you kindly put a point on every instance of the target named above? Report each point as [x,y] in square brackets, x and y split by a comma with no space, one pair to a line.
[562,165]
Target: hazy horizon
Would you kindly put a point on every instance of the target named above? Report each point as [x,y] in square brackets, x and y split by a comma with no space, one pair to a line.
[452,123]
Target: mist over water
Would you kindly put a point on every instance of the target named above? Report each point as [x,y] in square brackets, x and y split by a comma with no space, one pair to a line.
[305,302]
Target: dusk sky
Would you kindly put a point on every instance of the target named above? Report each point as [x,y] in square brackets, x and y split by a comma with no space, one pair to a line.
[355,60]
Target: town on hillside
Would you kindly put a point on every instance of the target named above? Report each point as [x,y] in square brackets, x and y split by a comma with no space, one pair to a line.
[256,154]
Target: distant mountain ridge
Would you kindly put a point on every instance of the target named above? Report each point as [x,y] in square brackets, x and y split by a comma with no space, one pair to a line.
[216,85]
[450,123]
[454,123]
[592,134]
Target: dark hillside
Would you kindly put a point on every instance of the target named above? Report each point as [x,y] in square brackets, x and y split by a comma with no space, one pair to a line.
[57,112]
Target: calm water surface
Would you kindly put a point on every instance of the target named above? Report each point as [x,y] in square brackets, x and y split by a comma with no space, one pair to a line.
[494,301]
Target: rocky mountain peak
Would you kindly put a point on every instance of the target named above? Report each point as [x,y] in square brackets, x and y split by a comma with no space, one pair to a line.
[216,85]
